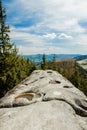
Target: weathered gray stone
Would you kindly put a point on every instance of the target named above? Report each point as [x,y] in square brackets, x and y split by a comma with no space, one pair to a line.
[44,101]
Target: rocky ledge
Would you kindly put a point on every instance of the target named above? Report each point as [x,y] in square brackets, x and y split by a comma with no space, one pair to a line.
[44,101]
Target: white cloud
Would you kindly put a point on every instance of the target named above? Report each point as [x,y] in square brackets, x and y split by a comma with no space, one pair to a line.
[57,14]
[64,36]
[42,50]
[82,40]
[50,36]
[24,37]
[56,17]
[64,15]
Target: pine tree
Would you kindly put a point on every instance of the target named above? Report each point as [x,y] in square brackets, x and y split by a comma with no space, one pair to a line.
[43,65]
[5,46]
[13,68]
[54,62]
[8,52]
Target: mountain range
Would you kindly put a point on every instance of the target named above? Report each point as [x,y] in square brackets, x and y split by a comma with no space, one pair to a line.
[38,57]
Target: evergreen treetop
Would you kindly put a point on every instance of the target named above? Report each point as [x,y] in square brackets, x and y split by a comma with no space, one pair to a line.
[5,45]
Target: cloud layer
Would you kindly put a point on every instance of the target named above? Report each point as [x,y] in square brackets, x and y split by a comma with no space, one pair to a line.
[48,26]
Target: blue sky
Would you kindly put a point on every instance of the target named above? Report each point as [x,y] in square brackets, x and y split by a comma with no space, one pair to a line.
[48,26]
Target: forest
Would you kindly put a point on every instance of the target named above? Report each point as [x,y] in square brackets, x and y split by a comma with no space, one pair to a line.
[70,69]
[13,67]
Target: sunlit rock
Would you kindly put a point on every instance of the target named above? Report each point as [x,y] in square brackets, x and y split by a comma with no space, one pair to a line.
[44,101]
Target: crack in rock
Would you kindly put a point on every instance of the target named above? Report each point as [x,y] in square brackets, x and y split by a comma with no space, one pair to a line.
[78,110]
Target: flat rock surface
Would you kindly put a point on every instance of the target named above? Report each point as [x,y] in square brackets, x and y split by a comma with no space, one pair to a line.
[44,101]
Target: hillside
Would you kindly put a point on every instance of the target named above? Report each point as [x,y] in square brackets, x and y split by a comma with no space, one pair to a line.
[83,63]
[38,57]
[69,68]
[80,57]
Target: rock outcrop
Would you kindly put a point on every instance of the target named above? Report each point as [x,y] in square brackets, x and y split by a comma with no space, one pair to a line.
[44,101]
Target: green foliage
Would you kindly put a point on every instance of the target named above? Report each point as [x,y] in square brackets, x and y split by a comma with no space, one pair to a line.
[71,70]
[43,65]
[54,62]
[5,46]
[13,68]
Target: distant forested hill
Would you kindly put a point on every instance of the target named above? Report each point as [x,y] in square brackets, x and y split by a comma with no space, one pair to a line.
[82,61]
[81,57]
[38,57]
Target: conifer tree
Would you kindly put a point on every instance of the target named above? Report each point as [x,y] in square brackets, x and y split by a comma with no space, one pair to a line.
[54,62]
[5,46]
[43,65]
[7,51]
[13,67]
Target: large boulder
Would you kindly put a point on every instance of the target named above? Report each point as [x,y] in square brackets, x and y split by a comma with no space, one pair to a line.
[44,101]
